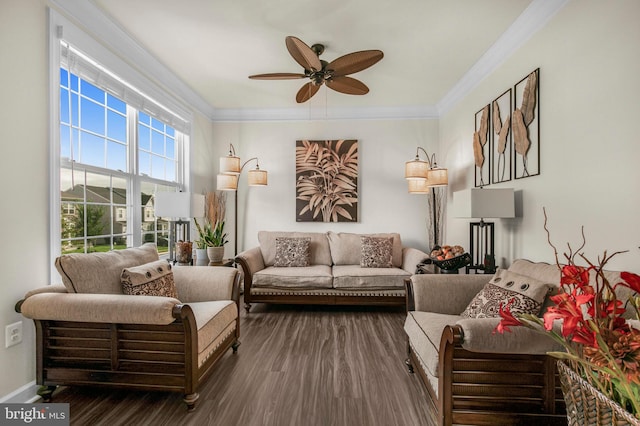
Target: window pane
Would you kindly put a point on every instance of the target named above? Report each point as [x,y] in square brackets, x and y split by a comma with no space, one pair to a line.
[98,188]
[116,156]
[119,220]
[119,191]
[92,151]
[171,131]
[144,118]
[144,164]
[157,167]
[75,111]
[171,148]
[157,124]
[98,244]
[92,116]
[91,91]
[144,137]
[170,167]
[65,141]
[69,192]
[163,242]
[116,104]
[74,82]
[157,143]
[64,78]
[64,106]
[97,219]
[116,126]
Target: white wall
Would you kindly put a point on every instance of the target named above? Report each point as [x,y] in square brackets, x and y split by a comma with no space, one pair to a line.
[24,174]
[383,148]
[589,87]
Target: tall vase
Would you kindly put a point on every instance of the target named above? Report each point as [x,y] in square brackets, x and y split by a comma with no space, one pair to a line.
[587,406]
[201,257]
[215,254]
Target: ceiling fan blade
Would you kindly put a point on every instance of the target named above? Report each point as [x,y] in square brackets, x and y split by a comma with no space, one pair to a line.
[303,54]
[347,85]
[277,76]
[354,62]
[306,92]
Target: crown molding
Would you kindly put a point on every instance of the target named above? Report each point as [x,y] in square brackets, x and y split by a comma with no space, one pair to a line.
[534,17]
[320,113]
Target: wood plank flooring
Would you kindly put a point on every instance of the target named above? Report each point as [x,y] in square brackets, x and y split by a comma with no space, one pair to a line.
[297,365]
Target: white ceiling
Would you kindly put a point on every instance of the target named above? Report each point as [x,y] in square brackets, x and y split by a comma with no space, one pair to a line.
[429,46]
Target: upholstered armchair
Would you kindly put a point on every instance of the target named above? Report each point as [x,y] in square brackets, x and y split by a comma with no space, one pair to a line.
[165,334]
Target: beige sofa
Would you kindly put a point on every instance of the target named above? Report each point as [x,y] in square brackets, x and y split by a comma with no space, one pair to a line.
[89,333]
[334,274]
[472,375]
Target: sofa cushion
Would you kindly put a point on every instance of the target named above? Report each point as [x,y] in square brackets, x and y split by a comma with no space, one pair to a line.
[424,330]
[150,279]
[292,252]
[376,252]
[355,277]
[314,276]
[319,246]
[346,247]
[526,294]
[214,320]
[100,272]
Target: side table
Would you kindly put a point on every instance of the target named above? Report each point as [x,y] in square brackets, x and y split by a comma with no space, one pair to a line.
[224,262]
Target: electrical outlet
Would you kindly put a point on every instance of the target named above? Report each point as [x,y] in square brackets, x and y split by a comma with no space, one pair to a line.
[13,334]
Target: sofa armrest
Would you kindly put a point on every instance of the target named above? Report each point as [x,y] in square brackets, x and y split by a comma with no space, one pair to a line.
[411,257]
[102,308]
[444,293]
[205,283]
[251,261]
[478,336]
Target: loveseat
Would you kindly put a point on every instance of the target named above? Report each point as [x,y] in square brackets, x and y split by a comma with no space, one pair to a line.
[475,376]
[165,333]
[327,268]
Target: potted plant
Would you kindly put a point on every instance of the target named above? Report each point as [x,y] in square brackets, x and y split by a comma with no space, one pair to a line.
[602,358]
[213,238]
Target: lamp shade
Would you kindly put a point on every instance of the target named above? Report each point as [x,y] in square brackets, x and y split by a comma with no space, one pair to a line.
[257,177]
[438,177]
[230,164]
[418,186]
[416,169]
[227,182]
[178,204]
[482,202]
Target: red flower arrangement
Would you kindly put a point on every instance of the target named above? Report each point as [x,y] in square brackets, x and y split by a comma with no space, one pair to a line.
[600,343]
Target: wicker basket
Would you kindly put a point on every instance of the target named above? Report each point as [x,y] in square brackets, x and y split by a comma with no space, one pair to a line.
[587,406]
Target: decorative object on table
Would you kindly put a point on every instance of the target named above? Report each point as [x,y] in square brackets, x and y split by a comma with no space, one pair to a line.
[227,180]
[179,207]
[601,346]
[481,156]
[501,138]
[333,74]
[525,122]
[449,258]
[184,252]
[425,177]
[327,180]
[483,203]
[214,238]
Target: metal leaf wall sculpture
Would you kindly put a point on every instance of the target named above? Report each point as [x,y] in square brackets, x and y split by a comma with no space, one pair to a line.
[480,139]
[526,127]
[501,129]
[327,181]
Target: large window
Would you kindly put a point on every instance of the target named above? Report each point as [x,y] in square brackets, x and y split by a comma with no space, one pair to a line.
[114,156]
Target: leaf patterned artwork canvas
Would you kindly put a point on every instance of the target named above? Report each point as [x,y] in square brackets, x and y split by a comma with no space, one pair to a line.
[327,180]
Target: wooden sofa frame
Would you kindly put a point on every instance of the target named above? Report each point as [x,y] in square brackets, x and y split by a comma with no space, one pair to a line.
[476,388]
[130,356]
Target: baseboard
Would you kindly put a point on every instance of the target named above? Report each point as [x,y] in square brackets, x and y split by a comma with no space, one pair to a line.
[24,394]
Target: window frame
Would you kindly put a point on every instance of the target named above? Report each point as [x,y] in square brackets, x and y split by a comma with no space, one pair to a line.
[59,26]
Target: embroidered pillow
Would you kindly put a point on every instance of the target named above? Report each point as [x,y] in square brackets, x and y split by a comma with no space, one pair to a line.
[377,252]
[150,279]
[527,294]
[292,251]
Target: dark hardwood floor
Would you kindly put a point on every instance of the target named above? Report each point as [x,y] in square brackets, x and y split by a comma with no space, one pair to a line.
[297,365]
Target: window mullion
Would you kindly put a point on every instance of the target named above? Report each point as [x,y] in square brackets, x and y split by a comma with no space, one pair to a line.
[134,212]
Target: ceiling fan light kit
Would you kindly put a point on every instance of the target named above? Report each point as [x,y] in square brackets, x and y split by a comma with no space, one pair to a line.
[333,74]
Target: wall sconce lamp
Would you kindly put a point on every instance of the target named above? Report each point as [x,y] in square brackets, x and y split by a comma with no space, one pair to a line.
[423,176]
[227,180]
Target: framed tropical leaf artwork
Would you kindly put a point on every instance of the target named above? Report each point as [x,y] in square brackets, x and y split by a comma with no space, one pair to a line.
[327,180]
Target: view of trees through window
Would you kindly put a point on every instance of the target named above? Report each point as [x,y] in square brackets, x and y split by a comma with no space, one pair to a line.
[113,158]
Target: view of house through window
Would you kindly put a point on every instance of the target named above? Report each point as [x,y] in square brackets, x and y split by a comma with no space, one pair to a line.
[113,158]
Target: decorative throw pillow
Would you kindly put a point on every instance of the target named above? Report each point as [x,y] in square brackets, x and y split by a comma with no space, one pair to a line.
[150,279]
[377,252]
[527,294]
[292,251]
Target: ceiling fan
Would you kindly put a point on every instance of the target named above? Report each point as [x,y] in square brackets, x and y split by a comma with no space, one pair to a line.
[333,74]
